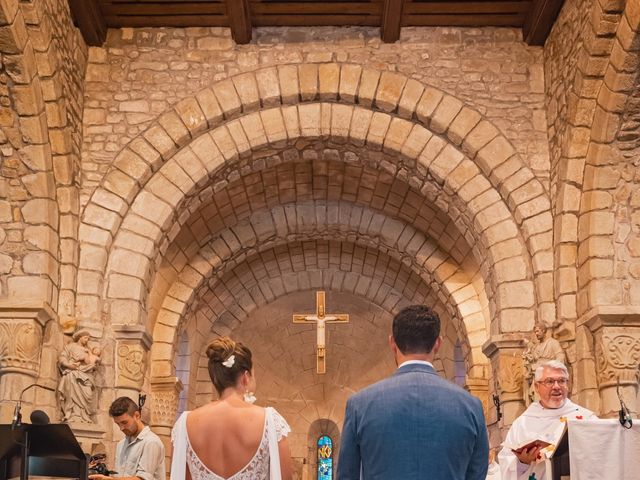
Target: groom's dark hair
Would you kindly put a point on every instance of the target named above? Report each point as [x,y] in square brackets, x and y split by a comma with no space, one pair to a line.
[415,329]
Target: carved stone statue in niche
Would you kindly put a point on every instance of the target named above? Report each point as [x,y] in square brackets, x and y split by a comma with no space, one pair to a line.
[77,388]
[545,348]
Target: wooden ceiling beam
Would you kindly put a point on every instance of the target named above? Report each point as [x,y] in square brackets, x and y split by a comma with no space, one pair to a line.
[391,20]
[540,20]
[239,20]
[88,17]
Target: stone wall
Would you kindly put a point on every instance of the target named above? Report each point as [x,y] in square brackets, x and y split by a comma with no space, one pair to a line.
[593,141]
[43,60]
[566,109]
[141,72]
[41,102]
[592,118]
[570,108]
[627,194]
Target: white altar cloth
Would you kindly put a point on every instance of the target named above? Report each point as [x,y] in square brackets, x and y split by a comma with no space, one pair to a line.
[603,449]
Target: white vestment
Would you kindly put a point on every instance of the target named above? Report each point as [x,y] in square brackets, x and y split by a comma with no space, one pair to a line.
[536,422]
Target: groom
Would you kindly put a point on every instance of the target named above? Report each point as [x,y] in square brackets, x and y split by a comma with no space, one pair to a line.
[414,425]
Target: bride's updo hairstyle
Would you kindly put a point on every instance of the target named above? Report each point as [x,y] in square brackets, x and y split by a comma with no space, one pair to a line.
[224,370]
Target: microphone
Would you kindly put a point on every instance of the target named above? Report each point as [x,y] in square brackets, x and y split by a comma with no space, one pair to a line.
[17,415]
[38,417]
[624,416]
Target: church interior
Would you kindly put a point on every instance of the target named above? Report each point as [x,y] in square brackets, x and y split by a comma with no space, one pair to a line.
[172,172]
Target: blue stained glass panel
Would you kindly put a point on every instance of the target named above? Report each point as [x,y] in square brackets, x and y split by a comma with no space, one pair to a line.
[325,458]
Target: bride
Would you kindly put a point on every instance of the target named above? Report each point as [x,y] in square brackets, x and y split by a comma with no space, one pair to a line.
[231,438]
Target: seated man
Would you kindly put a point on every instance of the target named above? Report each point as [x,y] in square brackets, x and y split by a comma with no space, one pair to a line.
[540,420]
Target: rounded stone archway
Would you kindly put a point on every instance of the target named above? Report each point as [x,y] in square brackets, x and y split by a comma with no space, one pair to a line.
[491,153]
[362,183]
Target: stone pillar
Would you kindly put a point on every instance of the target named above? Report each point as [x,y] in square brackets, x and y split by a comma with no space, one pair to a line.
[505,354]
[132,349]
[616,335]
[165,396]
[22,325]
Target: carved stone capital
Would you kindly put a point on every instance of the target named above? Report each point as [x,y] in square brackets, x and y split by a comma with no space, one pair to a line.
[132,349]
[617,356]
[504,343]
[505,353]
[21,334]
[165,396]
[616,334]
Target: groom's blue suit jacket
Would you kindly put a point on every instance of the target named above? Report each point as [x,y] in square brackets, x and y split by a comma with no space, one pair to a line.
[413,426]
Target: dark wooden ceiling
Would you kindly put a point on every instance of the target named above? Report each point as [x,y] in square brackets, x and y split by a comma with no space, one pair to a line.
[535,17]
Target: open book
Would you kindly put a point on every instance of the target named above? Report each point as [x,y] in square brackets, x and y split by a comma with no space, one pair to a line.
[545,440]
[529,444]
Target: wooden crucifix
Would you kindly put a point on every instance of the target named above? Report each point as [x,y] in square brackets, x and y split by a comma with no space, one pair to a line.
[320,319]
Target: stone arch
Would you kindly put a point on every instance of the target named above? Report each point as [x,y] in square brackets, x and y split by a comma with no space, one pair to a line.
[468,315]
[229,98]
[391,285]
[451,282]
[446,150]
[160,199]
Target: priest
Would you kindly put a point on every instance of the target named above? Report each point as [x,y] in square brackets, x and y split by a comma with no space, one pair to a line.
[520,459]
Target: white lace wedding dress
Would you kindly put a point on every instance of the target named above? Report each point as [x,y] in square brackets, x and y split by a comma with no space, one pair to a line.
[265,464]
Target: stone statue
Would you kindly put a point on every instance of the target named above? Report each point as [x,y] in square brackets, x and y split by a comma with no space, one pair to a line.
[77,388]
[544,349]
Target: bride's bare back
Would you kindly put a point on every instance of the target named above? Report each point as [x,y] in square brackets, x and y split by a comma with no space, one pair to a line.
[225,435]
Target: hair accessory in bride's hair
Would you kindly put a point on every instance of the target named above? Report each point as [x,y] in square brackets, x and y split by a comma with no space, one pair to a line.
[229,361]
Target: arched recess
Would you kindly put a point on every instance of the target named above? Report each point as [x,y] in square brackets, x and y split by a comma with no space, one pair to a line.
[263,277]
[444,150]
[450,281]
[241,302]
[483,220]
[459,156]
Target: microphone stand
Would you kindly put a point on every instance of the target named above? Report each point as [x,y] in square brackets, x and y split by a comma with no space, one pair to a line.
[624,415]
[17,414]
[24,457]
